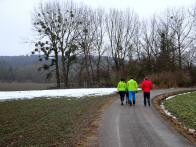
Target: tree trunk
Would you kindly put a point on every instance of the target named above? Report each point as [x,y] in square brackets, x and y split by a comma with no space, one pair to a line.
[180,59]
[67,75]
[98,70]
[64,70]
[57,70]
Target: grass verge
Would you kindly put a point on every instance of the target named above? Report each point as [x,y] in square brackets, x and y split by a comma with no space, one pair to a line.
[91,138]
[47,122]
[184,108]
[173,122]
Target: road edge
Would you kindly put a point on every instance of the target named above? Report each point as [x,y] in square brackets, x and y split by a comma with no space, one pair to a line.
[91,138]
[173,122]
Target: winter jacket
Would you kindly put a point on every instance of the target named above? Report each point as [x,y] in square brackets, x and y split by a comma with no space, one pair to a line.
[122,86]
[132,85]
[146,86]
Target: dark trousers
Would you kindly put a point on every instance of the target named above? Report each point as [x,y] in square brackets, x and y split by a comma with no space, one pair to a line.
[122,95]
[127,97]
[147,98]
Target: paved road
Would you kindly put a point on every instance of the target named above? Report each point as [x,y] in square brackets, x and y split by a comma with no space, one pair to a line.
[138,126]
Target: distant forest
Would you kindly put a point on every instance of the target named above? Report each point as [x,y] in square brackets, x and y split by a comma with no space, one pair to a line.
[21,69]
[29,69]
[24,69]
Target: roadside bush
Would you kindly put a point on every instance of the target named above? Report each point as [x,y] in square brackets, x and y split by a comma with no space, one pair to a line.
[171,79]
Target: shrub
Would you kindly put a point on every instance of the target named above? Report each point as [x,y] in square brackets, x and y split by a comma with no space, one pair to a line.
[171,79]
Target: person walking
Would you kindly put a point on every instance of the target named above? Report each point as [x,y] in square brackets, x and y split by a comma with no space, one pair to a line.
[132,88]
[122,87]
[146,88]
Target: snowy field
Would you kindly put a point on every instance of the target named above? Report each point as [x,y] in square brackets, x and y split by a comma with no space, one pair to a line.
[77,93]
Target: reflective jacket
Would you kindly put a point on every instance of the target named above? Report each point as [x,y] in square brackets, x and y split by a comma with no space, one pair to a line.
[132,85]
[122,86]
[146,86]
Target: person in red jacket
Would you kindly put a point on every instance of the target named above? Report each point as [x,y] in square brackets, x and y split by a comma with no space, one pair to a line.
[146,87]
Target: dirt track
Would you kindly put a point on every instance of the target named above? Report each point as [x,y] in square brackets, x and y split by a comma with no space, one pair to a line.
[138,126]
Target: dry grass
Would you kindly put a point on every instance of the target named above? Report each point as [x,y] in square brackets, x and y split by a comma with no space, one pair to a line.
[91,138]
[171,79]
[25,86]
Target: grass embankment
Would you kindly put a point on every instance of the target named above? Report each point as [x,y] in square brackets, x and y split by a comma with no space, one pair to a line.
[47,122]
[184,108]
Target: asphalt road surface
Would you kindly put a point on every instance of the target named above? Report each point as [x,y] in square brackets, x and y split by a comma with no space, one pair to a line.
[138,126]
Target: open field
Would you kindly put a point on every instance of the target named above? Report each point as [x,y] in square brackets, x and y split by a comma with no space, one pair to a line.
[46,122]
[25,86]
[184,108]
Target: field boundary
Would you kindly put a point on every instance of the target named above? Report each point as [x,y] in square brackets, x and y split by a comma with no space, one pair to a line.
[157,100]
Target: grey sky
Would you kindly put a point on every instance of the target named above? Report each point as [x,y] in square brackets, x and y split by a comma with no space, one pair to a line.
[15,18]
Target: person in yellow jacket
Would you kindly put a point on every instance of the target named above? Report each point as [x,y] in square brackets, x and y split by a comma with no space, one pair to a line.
[122,87]
[132,88]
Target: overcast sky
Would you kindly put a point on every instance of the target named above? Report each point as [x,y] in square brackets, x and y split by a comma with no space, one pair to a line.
[16,25]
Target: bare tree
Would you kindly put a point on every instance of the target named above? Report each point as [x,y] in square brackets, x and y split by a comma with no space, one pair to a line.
[46,25]
[182,26]
[167,54]
[120,28]
[190,57]
[137,42]
[98,42]
[86,40]
[60,24]
[68,34]
[149,42]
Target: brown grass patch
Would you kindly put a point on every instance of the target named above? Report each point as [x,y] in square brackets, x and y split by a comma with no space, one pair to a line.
[91,137]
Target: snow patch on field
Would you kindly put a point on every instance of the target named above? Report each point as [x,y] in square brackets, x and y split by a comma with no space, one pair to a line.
[170,97]
[76,93]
